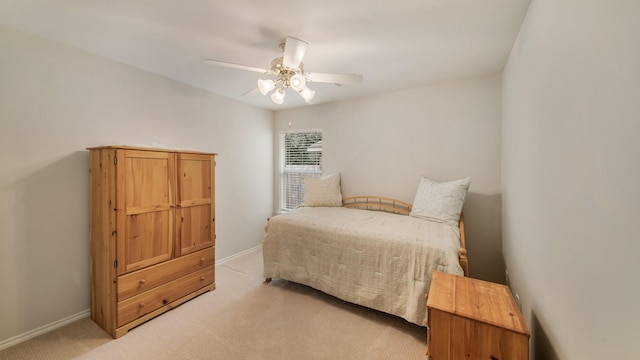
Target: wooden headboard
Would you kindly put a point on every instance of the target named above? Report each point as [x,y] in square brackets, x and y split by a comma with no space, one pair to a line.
[379,203]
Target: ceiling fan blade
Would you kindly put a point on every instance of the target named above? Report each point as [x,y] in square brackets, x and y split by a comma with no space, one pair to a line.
[251,91]
[338,79]
[294,50]
[235,66]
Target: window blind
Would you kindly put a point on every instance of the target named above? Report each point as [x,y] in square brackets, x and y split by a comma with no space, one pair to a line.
[301,155]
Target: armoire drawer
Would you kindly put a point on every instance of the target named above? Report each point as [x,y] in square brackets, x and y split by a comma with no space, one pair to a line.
[146,279]
[139,305]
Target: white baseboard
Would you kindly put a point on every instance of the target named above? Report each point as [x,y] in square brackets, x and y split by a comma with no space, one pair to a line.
[43,329]
[86,313]
[235,256]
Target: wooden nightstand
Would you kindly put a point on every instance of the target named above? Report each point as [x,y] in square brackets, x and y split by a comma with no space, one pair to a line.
[473,319]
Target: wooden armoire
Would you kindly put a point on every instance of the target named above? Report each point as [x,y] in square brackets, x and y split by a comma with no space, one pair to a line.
[152,229]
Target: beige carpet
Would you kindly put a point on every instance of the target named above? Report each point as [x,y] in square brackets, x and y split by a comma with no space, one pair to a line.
[242,319]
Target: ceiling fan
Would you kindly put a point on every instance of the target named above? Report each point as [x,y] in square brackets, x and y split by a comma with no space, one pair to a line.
[289,73]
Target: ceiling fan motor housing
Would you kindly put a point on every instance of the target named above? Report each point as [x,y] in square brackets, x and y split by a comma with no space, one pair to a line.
[289,77]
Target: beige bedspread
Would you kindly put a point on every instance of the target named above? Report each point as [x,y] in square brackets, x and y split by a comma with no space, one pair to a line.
[380,260]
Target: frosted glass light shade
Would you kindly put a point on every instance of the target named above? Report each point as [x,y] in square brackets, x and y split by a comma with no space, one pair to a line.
[307,94]
[297,82]
[264,86]
[278,96]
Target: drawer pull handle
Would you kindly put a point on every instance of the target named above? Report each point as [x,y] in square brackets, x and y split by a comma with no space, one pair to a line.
[141,305]
[142,282]
[202,260]
[202,278]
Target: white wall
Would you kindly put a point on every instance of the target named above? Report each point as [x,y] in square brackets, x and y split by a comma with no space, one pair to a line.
[56,101]
[571,176]
[382,144]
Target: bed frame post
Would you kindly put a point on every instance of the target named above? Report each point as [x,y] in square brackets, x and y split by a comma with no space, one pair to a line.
[462,253]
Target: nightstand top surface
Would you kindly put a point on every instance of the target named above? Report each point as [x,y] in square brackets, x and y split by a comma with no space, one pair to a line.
[475,299]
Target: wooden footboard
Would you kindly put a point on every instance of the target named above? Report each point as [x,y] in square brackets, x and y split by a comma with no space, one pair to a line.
[379,203]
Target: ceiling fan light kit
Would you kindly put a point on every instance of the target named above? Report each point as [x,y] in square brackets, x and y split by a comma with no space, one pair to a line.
[264,86]
[290,73]
[298,82]
[278,96]
[287,77]
[307,94]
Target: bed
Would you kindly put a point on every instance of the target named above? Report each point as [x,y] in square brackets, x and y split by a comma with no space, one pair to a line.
[368,251]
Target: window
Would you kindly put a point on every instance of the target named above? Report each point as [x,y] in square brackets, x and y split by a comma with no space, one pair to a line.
[300,156]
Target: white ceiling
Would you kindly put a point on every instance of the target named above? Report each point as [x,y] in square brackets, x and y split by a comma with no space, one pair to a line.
[395,45]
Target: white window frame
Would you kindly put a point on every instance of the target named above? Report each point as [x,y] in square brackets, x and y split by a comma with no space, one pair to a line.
[290,176]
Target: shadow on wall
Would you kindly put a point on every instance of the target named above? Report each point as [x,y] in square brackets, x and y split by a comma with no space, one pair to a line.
[542,348]
[483,233]
[49,227]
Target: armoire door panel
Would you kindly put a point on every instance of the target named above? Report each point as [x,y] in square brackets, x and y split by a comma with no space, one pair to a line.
[148,179]
[195,177]
[196,219]
[148,204]
[149,239]
[195,228]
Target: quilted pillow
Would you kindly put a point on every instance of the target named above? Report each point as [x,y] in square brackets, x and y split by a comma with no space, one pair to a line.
[322,191]
[441,202]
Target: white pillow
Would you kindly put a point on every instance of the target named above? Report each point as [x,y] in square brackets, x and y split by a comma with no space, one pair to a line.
[441,202]
[322,191]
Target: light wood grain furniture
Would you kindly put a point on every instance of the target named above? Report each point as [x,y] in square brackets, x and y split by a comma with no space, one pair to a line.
[152,229]
[368,252]
[473,319]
